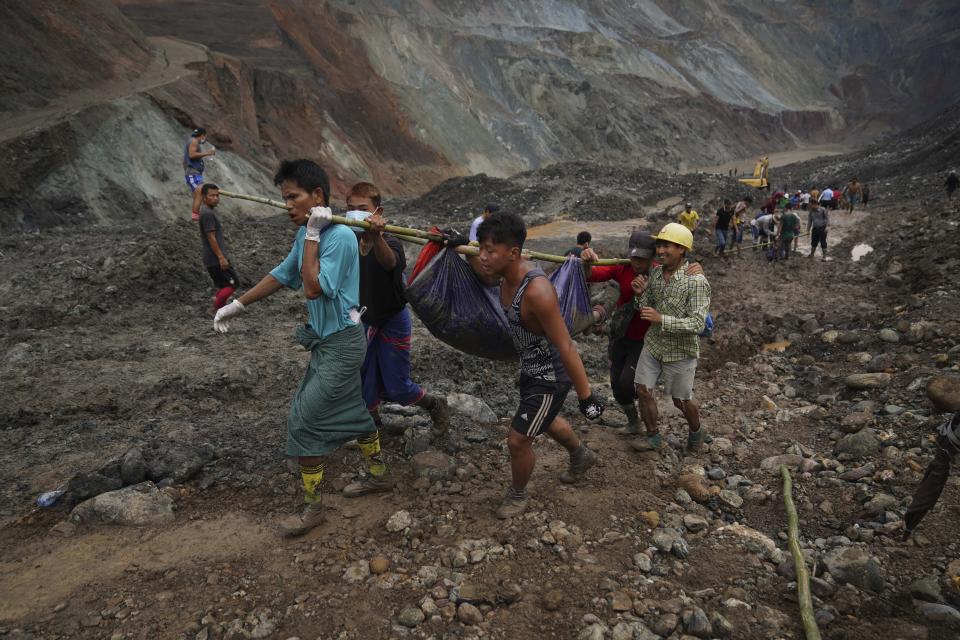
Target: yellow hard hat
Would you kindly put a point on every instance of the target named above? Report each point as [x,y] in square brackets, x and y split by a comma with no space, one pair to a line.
[677,234]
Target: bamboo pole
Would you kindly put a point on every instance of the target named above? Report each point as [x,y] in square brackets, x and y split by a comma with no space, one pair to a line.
[418,236]
[803,577]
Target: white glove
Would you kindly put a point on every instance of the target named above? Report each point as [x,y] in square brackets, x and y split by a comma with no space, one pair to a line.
[319,218]
[221,322]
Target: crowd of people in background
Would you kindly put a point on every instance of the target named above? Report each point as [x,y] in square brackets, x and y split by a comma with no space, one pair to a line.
[777,225]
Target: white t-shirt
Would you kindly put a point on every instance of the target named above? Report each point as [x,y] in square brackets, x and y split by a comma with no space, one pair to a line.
[826,196]
[473,228]
[805,198]
[764,223]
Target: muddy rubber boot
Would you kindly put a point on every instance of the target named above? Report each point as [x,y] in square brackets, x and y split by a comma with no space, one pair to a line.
[652,442]
[439,413]
[369,484]
[695,440]
[633,419]
[511,507]
[579,466]
[312,517]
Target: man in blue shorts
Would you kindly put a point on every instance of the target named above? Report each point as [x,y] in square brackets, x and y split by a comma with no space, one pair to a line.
[193,157]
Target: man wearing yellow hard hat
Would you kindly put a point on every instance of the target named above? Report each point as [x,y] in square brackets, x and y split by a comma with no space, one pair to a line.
[676,305]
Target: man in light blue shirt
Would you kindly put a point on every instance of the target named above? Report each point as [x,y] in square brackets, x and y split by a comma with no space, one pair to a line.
[328,409]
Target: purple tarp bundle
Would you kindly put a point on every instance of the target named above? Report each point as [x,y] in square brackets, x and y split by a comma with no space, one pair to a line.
[457,308]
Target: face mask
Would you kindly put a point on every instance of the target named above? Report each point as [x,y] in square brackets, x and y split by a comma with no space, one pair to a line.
[358,216]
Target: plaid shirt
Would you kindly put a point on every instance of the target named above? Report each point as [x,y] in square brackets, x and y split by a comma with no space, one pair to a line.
[683,302]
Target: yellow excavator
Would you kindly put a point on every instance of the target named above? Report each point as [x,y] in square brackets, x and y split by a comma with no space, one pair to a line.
[759,179]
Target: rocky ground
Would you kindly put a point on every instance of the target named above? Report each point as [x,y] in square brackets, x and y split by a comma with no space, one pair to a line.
[113,377]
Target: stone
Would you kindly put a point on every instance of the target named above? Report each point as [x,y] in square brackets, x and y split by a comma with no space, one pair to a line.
[411,616]
[723,446]
[263,629]
[855,566]
[379,564]
[620,601]
[357,572]
[433,465]
[860,381]
[944,393]
[695,523]
[469,614]
[772,464]
[881,363]
[399,521]
[926,589]
[853,422]
[722,628]
[849,337]
[859,445]
[754,541]
[696,623]
[696,486]
[857,474]
[889,335]
[652,518]
[83,486]
[177,461]
[940,613]
[643,562]
[664,539]
[18,353]
[139,505]
[881,503]
[731,499]
[665,624]
[552,600]
[716,473]
[830,336]
[133,467]
[472,408]
[595,631]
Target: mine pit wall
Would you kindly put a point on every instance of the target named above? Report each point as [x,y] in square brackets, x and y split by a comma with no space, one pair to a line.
[115,162]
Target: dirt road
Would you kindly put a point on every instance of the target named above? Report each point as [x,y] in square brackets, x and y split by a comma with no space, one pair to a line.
[170,63]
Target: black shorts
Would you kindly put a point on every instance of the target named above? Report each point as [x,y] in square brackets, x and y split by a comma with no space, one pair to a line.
[540,402]
[818,236]
[224,277]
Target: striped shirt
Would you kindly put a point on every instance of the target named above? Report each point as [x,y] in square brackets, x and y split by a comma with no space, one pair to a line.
[683,302]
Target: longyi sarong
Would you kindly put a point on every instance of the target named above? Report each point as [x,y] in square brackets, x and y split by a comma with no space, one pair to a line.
[328,409]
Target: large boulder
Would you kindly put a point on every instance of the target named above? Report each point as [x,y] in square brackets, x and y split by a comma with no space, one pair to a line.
[471,407]
[853,565]
[944,393]
[83,486]
[176,461]
[861,444]
[137,506]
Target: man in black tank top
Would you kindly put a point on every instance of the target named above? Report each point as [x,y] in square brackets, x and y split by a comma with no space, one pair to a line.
[549,362]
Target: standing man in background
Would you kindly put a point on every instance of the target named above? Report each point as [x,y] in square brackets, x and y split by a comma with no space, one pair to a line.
[215,258]
[193,157]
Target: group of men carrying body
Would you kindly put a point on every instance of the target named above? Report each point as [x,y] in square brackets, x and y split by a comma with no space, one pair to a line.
[358,333]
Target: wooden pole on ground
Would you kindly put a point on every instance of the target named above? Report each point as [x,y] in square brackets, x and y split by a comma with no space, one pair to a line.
[418,236]
[803,577]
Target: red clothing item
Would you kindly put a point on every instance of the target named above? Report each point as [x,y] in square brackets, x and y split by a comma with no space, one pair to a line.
[624,275]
